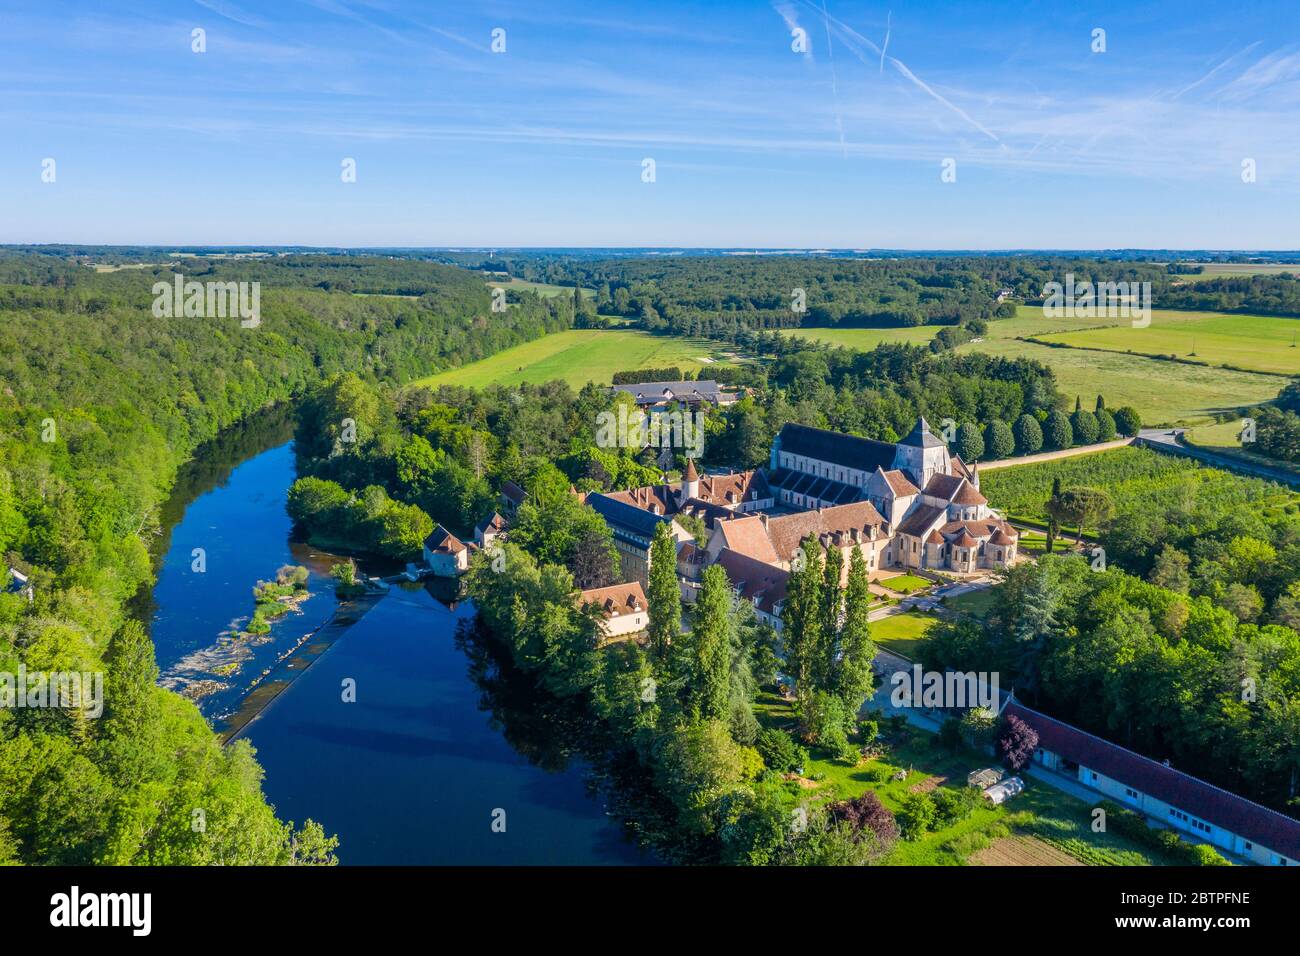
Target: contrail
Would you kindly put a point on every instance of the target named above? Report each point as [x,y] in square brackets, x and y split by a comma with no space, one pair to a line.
[888,19]
[835,91]
[907,74]
[1192,86]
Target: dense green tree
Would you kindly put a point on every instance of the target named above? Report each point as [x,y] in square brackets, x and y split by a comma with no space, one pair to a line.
[1029,435]
[1058,433]
[1127,421]
[712,635]
[970,443]
[999,442]
[1083,424]
[664,595]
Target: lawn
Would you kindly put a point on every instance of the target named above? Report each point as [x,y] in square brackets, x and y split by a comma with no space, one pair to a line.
[905,583]
[1225,439]
[902,633]
[1040,817]
[976,603]
[579,356]
[1255,342]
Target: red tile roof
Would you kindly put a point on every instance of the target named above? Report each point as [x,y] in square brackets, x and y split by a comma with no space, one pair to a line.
[755,581]
[616,599]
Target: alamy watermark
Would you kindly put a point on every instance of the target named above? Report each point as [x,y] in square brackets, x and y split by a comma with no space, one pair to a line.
[64,690]
[637,430]
[212,300]
[944,689]
[1090,300]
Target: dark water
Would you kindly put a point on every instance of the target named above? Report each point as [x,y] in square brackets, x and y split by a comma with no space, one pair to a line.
[442,739]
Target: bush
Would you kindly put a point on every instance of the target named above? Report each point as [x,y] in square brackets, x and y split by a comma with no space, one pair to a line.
[952,806]
[1059,433]
[1127,421]
[779,751]
[915,816]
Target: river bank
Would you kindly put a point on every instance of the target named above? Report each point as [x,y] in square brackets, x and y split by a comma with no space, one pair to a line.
[435,737]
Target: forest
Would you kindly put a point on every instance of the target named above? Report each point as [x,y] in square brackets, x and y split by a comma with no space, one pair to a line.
[100,402]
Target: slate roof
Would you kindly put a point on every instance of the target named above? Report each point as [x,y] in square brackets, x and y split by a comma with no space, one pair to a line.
[650,393]
[1181,790]
[440,539]
[864,454]
[512,492]
[824,489]
[921,436]
[620,514]
[494,522]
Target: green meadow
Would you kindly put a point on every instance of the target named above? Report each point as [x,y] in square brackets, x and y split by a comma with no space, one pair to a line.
[1163,392]
[579,356]
[1254,342]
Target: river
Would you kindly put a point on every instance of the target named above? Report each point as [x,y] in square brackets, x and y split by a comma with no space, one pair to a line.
[406,735]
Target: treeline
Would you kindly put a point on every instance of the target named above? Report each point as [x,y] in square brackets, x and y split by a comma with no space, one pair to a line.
[1002,405]
[1169,674]
[1277,426]
[100,401]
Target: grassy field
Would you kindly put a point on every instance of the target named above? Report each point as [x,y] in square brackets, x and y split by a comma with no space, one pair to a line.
[1254,342]
[902,633]
[975,603]
[1220,270]
[1041,819]
[544,289]
[1163,392]
[866,339]
[579,356]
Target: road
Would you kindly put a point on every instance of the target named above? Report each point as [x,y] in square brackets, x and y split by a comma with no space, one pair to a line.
[1167,440]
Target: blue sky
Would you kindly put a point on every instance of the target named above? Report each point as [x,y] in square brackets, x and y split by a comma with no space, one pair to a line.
[754,145]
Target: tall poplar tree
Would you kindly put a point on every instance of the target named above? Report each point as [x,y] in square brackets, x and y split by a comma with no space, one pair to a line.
[709,689]
[856,647]
[664,597]
[801,618]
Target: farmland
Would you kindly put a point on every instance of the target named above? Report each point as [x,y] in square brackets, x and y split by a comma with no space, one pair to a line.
[1253,342]
[1137,480]
[1163,392]
[578,356]
[544,289]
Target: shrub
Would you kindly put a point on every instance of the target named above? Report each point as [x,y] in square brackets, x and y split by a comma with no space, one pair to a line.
[1058,432]
[915,816]
[779,751]
[1029,435]
[1127,421]
[952,806]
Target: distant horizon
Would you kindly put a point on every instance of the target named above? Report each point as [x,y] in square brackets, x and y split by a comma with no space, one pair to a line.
[740,250]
